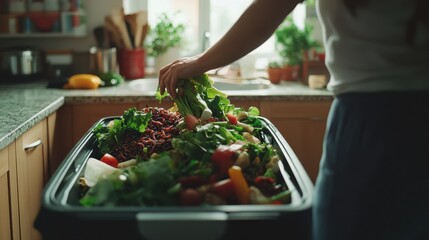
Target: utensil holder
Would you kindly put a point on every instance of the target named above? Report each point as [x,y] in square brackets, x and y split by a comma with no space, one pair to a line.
[132,63]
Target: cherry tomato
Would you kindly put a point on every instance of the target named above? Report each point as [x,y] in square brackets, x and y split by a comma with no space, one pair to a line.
[262,179]
[110,160]
[190,197]
[222,159]
[192,181]
[191,121]
[224,188]
[232,118]
[276,202]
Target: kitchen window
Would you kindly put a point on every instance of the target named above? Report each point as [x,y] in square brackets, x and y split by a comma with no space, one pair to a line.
[207,21]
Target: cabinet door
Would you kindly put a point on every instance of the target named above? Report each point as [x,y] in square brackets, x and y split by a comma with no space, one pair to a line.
[245,104]
[86,115]
[9,218]
[32,169]
[5,205]
[5,220]
[303,125]
[59,136]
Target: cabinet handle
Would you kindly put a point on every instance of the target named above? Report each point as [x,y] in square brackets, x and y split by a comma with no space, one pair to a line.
[33,145]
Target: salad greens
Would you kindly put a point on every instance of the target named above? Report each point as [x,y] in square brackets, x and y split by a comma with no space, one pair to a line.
[132,120]
[200,98]
[148,183]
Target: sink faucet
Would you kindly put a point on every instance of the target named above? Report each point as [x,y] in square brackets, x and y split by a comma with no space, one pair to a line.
[206,41]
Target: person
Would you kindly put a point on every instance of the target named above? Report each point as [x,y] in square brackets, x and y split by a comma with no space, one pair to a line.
[373,177]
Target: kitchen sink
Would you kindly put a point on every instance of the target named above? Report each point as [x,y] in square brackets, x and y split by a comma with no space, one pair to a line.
[223,84]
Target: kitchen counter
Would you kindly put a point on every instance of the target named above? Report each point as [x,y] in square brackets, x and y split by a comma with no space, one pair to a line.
[25,104]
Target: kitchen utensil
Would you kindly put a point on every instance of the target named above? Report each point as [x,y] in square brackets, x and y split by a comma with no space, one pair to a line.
[117,18]
[137,21]
[100,36]
[103,60]
[130,33]
[145,30]
[112,33]
[21,61]
[132,63]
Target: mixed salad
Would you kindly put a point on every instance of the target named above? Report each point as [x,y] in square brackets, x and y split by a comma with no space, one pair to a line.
[202,151]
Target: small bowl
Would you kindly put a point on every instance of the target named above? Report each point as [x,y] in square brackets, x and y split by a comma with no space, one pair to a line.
[44,21]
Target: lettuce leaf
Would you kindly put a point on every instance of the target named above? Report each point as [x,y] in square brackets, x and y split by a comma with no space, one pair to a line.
[132,120]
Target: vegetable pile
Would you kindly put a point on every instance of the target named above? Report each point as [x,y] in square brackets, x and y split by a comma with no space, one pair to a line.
[202,151]
[138,134]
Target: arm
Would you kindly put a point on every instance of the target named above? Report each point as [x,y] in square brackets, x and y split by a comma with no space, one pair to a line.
[257,23]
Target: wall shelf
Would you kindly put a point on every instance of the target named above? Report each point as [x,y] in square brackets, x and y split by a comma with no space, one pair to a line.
[43,35]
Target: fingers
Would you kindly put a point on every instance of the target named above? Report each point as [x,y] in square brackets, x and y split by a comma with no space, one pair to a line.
[170,74]
[161,83]
[171,84]
[168,79]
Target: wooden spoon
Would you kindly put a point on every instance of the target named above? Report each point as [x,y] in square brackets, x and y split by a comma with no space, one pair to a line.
[136,21]
[118,20]
[113,32]
[145,30]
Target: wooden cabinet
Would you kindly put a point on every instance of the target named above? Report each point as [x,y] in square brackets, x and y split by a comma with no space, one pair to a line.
[5,207]
[32,174]
[166,103]
[60,136]
[302,124]
[84,116]
[9,222]
[24,172]
[245,104]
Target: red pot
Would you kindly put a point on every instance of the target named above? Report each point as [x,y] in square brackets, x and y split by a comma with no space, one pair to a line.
[290,73]
[275,75]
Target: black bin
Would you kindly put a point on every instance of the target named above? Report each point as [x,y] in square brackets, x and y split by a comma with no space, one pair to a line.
[62,217]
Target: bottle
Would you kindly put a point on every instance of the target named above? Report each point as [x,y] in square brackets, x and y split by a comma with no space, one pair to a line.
[17,6]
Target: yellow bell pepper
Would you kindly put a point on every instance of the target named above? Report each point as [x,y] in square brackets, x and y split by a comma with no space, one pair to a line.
[240,184]
[83,81]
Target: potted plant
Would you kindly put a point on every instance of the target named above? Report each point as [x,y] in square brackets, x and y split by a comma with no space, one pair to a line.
[165,40]
[275,71]
[291,44]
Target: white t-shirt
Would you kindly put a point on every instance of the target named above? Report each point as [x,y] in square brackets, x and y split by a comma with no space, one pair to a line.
[369,51]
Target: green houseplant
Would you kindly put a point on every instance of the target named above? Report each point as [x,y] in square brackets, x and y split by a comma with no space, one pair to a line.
[164,41]
[291,44]
[164,35]
[275,71]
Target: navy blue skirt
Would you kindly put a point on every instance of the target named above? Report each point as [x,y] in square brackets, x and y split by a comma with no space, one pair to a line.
[373,181]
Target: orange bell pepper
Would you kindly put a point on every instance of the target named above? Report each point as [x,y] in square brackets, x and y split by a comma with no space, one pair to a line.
[240,184]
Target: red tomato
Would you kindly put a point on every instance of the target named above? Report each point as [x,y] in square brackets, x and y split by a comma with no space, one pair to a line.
[276,202]
[191,121]
[110,160]
[190,197]
[262,179]
[192,181]
[212,119]
[231,118]
[222,159]
[224,188]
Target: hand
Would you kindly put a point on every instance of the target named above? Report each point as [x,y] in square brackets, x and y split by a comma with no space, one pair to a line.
[180,69]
